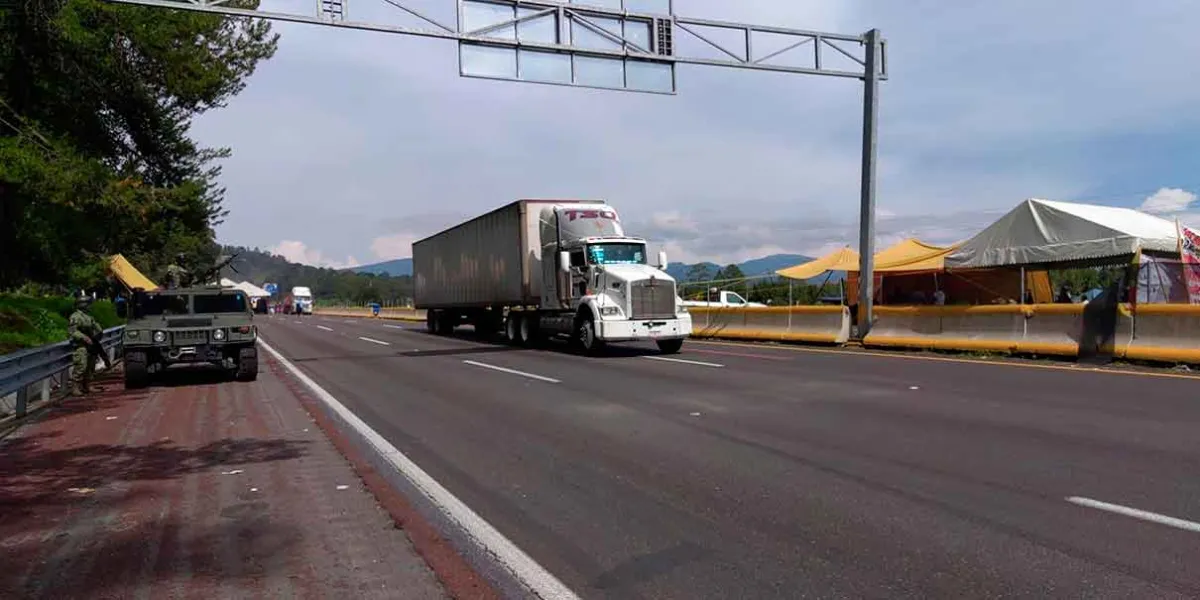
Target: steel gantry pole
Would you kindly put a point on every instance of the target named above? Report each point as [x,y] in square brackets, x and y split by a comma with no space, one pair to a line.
[866,218]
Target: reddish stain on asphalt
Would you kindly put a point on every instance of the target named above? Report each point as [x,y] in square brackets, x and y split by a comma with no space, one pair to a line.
[197,489]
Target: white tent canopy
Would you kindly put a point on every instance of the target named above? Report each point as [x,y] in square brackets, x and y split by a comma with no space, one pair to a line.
[252,291]
[1044,231]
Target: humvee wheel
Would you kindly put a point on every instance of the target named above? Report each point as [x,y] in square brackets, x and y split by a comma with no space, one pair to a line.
[247,369]
[136,374]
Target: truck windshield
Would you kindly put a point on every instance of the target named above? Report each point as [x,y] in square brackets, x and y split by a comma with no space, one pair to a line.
[219,303]
[617,254]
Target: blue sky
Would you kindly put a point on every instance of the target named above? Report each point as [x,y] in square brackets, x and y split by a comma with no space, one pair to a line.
[349,145]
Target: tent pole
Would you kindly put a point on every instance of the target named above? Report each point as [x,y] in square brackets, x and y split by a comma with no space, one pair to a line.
[1022,301]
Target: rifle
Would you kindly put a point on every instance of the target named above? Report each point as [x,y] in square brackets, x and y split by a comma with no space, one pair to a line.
[216,269]
[97,348]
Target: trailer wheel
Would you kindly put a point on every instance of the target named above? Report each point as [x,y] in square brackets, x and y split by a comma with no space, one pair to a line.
[445,323]
[512,328]
[530,335]
[431,321]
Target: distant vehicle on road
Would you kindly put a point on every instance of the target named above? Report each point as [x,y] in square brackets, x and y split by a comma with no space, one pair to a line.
[302,299]
[549,268]
[206,324]
[724,298]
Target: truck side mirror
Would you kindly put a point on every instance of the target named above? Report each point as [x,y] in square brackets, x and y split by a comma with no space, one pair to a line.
[662,260]
[564,262]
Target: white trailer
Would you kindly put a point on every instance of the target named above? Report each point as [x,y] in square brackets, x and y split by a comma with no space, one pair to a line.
[541,268]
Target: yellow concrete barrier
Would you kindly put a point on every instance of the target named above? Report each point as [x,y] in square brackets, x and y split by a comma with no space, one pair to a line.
[814,324]
[1053,329]
[992,328]
[396,314]
[1165,333]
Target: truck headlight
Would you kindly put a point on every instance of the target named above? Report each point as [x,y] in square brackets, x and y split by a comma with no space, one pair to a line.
[219,334]
[160,337]
[608,311]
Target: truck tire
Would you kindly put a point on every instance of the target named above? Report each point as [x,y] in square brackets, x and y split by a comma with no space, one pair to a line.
[585,335]
[530,332]
[247,369]
[431,321]
[670,346]
[136,374]
[512,328]
[445,323]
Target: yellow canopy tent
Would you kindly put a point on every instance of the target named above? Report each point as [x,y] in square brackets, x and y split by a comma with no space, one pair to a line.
[911,257]
[842,259]
[128,275]
[906,255]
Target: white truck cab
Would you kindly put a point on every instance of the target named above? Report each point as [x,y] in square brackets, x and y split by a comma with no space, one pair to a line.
[302,296]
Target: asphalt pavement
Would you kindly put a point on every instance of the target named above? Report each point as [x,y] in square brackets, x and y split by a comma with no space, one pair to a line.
[198,488]
[744,471]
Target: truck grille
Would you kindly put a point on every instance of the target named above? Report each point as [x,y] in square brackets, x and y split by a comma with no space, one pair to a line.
[185,338]
[652,299]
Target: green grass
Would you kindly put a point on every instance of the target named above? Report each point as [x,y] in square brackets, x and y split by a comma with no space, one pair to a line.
[30,321]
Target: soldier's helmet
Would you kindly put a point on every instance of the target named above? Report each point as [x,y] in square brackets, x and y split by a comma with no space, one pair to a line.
[83,301]
[180,257]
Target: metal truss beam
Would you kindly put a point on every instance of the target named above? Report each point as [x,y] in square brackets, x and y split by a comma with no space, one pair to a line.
[815,43]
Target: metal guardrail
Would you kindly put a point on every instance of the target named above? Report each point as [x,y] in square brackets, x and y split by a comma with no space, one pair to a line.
[36,368]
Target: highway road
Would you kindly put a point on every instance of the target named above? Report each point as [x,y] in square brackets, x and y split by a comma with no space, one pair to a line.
[742,471]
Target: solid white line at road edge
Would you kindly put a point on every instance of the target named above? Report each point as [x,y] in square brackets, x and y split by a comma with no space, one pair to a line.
[393,327]
[520,565]
[324,327]
[1136,513]
[367,339]
[684,361]
[512,371]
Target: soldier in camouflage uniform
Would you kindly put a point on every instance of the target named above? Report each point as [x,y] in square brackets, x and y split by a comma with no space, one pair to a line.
[177,275]
[84,334]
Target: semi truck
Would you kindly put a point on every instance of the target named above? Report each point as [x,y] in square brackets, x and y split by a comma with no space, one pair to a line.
[302,297]
[536,269]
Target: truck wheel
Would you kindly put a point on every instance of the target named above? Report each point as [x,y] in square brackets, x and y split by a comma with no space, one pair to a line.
[512,328]
[136,374]
[670,346]
[585,336]
[445,323]
[247,369]
[530,334]
[431,321]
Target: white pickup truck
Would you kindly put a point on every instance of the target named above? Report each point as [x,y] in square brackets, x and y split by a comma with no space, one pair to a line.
[725,299]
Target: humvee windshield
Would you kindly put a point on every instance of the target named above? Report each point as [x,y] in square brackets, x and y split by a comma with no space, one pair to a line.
[153,305]
[163,304]
[219,303]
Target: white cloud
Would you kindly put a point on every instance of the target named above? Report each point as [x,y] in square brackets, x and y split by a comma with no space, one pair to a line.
[1168,201]
[398,245]
[299,252]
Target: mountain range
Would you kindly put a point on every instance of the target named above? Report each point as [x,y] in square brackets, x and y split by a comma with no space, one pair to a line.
[750,268]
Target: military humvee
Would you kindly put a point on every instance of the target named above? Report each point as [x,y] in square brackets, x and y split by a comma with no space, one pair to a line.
[199,324]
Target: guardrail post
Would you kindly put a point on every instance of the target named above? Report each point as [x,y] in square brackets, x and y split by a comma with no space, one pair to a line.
[46,389]
[22,402]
